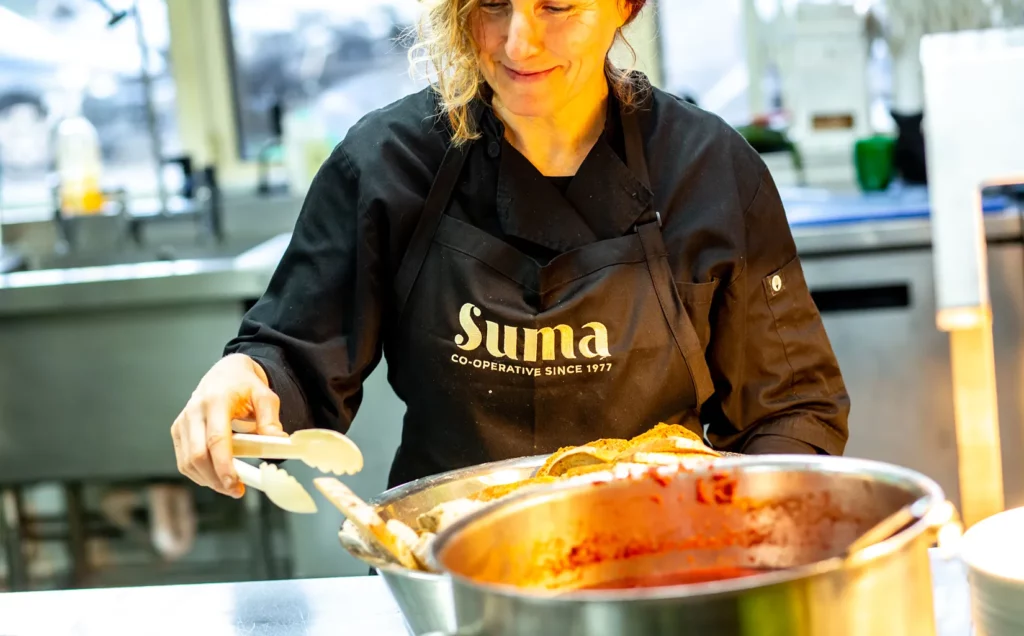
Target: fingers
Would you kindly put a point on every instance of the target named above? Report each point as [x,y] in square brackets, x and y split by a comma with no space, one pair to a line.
[190,436]
[180,454]
[235,387]
[184,447]
[243,426]
[267,407]
[200,462]
[218,445]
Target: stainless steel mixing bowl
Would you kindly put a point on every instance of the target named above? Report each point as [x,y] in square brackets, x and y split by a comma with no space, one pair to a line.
[426,599]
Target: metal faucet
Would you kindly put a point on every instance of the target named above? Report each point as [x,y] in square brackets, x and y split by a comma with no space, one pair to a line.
[156,144]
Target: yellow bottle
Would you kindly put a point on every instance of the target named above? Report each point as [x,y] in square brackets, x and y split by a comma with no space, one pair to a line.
[79,167]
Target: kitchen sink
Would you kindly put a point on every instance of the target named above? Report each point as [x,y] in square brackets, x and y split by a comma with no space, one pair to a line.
[128,254]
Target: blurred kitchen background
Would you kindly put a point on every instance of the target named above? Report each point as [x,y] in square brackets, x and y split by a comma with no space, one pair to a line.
[153,159]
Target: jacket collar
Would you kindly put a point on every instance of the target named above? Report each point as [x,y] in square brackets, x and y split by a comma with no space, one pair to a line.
[604,200]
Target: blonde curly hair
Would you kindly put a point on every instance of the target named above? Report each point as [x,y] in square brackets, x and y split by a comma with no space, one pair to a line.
[444,53]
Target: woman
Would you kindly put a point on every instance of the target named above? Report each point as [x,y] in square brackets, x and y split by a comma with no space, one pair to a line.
[548,251]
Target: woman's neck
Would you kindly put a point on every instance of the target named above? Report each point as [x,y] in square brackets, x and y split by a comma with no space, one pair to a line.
[557,145]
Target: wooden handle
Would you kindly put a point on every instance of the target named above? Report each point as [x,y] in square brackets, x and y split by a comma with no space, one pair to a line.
[365,518]
[263,446]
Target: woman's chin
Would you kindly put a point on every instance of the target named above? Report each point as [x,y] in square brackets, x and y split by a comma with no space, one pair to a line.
[522,105]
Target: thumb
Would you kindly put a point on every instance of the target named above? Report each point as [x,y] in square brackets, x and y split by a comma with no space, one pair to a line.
[267,408]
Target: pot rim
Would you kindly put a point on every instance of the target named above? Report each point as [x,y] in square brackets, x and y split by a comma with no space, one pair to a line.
[827,464]
[404,490]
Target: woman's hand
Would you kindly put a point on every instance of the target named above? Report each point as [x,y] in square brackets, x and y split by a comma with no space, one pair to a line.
[236,388]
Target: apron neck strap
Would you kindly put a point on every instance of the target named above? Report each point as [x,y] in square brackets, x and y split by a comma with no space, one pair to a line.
[441,191]
[636,160]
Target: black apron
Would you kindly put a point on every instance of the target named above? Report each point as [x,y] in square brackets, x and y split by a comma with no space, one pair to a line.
[497,356]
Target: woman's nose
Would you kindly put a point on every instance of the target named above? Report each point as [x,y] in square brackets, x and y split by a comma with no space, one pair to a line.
[524,37]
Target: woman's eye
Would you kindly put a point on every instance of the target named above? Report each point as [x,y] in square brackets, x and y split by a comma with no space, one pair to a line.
[558,8]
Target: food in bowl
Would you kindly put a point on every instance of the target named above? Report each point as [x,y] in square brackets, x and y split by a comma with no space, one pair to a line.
[662,444]
[601,460]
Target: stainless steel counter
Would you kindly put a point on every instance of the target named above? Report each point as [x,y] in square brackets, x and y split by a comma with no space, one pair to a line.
[826,222]
[141,284]
[889,235]
[320,607]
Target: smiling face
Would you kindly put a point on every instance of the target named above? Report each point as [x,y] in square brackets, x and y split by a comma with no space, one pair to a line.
[540,55]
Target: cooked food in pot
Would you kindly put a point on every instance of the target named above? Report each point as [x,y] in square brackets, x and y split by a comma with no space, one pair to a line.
[663,438]
[601,460]
[497,492]
[572,457]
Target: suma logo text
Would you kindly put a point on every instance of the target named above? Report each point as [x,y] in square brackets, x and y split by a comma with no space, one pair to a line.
[503,341]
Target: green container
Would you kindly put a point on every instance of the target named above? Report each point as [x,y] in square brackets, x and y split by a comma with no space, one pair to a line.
[874,160]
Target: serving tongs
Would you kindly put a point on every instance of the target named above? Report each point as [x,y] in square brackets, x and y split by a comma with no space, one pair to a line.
[280,488]
[326,450]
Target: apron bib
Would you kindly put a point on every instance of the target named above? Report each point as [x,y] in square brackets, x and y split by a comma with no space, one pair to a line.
[497,356]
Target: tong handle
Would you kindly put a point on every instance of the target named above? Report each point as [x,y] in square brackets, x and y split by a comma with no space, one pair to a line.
[263,446]
[249,474]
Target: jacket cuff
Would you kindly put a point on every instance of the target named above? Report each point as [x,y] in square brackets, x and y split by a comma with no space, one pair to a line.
[778,445]
[802,429]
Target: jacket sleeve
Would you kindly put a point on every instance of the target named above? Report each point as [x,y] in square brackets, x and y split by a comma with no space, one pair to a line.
[778,388]
[316,329]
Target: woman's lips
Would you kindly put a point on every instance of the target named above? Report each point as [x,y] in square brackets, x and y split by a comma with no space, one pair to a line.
[526,77]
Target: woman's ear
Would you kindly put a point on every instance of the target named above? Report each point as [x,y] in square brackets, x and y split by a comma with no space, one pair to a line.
[625,11]
[628,9]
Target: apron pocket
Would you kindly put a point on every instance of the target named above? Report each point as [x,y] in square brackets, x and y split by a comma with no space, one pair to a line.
[799,326]
[697,299]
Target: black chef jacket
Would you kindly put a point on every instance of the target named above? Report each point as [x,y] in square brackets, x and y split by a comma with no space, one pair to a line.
[319,328]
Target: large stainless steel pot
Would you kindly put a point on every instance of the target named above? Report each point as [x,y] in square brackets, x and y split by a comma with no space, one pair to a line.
[426,599]
[516,564]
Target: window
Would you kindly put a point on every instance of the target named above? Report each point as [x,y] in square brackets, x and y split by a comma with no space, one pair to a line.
[704,55]
[330,60]
[61,57]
